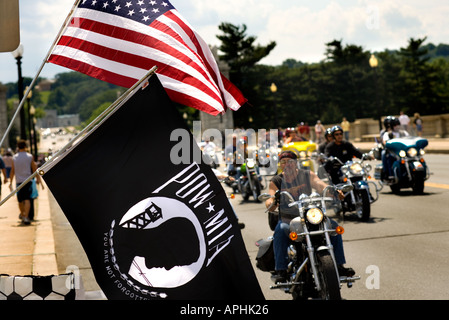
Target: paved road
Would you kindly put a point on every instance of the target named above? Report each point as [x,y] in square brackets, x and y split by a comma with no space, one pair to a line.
[405,244]
[401,253]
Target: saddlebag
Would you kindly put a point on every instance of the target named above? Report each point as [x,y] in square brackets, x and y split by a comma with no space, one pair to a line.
[265,255]
[378,172]
[273,219]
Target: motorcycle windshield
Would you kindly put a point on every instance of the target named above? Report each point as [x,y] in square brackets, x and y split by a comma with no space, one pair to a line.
[295,182]
[405,143]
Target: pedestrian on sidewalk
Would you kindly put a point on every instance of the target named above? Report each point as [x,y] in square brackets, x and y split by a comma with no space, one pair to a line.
[346,126]
[418,124]
[319,132]
[22,168]
[3,169]
[7,159]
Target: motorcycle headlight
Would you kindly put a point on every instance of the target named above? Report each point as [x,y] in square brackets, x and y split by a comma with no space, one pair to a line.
[315,215]
[356,168]
[302,155]
[402,153]
[250,163]
[422,152]
[412,152]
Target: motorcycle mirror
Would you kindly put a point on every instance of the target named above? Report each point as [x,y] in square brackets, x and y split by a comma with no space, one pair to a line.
[346,188]
[264,197]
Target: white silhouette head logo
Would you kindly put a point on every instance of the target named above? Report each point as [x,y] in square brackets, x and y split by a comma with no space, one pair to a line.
[152,213]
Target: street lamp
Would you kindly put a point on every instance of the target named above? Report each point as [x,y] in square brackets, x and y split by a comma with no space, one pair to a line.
[374,63]
[28,97]
[17,54]
[273,90]
[33,130]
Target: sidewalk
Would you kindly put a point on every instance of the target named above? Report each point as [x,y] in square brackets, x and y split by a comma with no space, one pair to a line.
[26,250]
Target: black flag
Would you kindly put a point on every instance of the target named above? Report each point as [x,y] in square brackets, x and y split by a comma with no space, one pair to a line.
[152,228]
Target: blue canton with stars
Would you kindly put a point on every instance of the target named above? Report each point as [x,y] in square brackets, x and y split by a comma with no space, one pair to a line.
[138,10]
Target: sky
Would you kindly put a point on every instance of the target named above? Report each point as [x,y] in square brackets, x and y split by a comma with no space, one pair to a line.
[300,28]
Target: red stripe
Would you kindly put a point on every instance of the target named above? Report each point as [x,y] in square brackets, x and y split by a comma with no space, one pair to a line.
[139,38]
[193,38]
[101,74]
[234,91]
[190,101]
[231,88]
[136,61]
[128,82]
[134,36]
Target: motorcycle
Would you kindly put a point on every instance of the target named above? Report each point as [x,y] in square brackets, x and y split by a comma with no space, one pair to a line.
[210,156]
[249,182]
[312,270]
[408,166]
[360,198]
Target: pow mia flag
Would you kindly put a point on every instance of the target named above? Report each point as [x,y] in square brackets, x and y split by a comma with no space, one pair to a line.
[151,229]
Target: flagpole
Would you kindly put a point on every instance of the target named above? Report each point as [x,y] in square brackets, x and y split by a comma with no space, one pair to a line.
[18,188]
[88,130]
[30,87]
[98,121]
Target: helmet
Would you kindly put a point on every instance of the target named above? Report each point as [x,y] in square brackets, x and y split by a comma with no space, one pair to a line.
[390,122]
[328,132]
[288,131]
[335,129]
[395,122]
[242,143]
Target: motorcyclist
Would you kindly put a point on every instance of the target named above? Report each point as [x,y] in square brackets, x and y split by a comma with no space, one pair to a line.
[341,149]
[392,130]
[327,139]
[296,181]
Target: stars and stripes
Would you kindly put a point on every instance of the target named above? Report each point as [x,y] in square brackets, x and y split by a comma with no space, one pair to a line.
[118,41]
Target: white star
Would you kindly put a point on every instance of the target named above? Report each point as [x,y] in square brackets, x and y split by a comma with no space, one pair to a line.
[146,18]
[117,8]
[155,10]
[140,3]
[165,4]
[210,207]
[143,10]
[128,4]
[130,13]
[94,2]
[152,3]
[105,5]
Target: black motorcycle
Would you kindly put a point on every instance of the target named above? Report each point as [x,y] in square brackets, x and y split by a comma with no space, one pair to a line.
[355,173]
[249,182]
[312,269]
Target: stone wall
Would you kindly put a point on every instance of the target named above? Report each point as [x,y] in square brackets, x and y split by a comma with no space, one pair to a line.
[435,126]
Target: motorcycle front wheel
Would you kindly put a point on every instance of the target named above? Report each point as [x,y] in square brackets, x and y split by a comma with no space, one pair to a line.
[364,206]
[330,284]
[256,188]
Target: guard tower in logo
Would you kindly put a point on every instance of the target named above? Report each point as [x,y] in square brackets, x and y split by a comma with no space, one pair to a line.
[151,214]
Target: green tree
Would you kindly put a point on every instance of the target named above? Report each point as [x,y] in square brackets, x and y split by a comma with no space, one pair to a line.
[242,54]
[419,79]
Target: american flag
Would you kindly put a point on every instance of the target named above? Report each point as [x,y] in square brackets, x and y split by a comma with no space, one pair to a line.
[118,41]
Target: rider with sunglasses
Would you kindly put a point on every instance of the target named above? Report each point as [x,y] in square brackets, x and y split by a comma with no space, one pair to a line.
[341,149]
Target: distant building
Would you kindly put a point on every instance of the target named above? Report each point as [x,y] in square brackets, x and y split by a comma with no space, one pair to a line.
[52,120]
[68,120]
